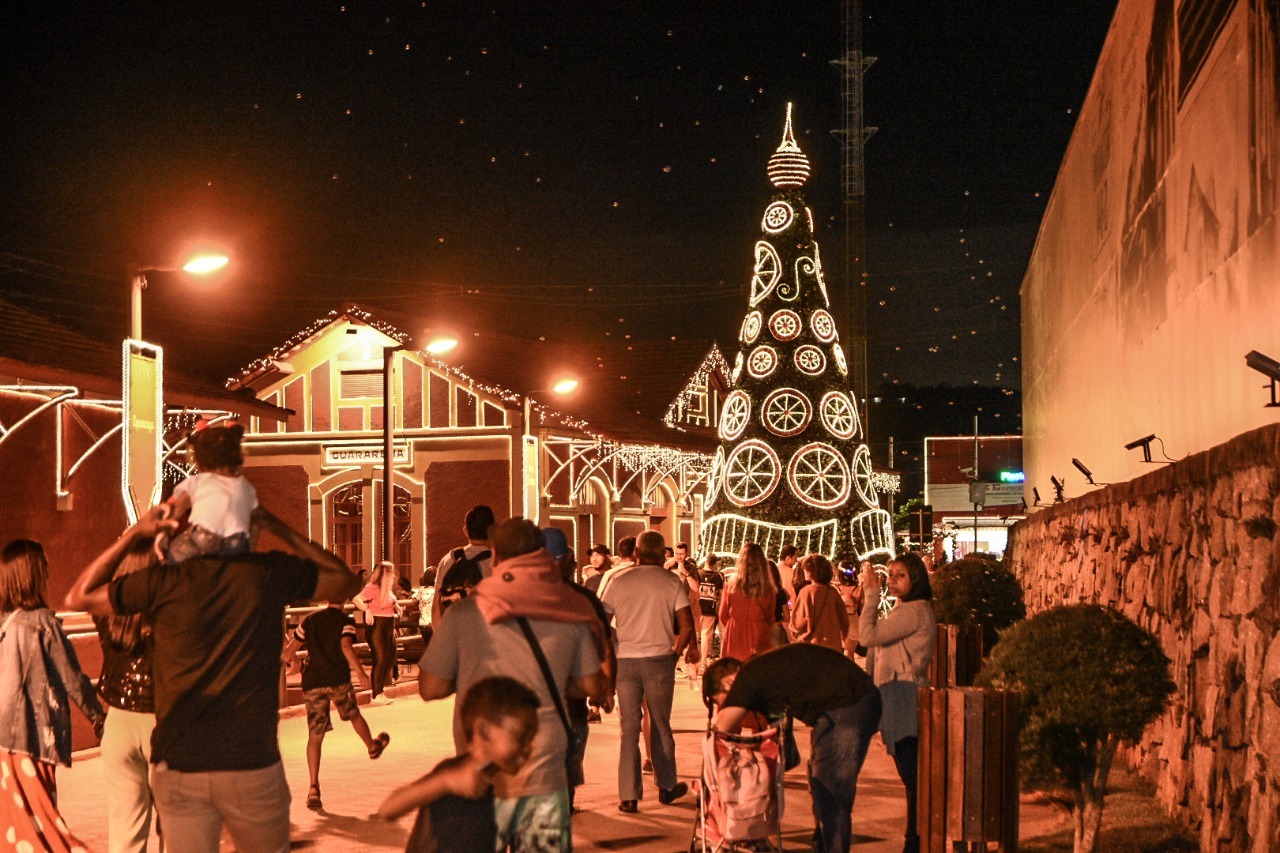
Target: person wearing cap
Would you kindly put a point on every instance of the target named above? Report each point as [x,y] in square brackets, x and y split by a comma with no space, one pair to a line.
[580,715]
[599,558]
[484,636]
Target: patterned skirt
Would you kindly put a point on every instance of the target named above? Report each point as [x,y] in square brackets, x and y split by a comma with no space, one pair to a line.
[29,816]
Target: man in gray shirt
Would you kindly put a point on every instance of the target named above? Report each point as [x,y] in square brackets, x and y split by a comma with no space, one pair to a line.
[653,624]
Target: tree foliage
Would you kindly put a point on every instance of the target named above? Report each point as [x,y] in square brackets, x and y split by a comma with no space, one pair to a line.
[1090,678]
[977,590]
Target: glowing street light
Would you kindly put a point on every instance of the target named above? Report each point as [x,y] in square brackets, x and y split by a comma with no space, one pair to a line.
[530,452]
[142,395]
[437,344]
[200,265]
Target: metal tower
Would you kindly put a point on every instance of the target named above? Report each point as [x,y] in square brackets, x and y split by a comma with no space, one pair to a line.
[853,136]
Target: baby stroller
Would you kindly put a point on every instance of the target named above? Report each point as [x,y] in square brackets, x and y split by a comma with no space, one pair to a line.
[740,796]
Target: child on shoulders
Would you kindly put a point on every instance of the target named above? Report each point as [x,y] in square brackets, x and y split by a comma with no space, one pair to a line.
[217,502]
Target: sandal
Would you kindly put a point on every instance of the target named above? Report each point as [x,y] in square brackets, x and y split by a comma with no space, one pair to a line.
[313,798]
[379,744]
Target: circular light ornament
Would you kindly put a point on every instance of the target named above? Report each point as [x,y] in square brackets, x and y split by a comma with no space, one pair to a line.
[810,360]
[751,473]
[838,354]
[716,475]
[862,476]
[823,325]
[768,269]
[838,414]
[819,476]
[735,415]
[762,362]
[750,328]
[785,325]
[737,367]
[778,217]
[786,412]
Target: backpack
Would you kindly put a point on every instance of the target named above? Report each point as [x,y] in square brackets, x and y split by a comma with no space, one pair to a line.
[460,577]
[743,784]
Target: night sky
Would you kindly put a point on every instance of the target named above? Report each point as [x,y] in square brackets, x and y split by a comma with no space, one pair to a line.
[579,170]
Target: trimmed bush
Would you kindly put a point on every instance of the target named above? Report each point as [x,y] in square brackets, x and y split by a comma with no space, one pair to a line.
[1090,679]
[978,591]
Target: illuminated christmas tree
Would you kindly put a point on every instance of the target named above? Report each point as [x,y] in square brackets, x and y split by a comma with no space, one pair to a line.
[793,466]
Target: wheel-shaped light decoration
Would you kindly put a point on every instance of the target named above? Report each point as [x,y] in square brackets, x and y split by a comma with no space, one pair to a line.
[862,476]
[716,475]
[819,476]
[838,414]
[823,326]
[786,412]
[810,360]
[737,367]
[762,361]
[778,217]
[841,364]
[768,268]
[750,328]
[785,325]
[751,473]
[734,415]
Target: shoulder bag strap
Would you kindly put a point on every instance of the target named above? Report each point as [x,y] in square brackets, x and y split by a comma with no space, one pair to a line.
[527,630]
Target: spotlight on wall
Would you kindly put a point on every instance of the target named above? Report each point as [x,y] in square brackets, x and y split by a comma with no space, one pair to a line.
[1088,475]
[1269,368]
[1035,495]
[1145,444]
[1058,487]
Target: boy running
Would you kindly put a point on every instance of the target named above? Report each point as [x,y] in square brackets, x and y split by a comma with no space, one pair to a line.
[329,636]
[455,803]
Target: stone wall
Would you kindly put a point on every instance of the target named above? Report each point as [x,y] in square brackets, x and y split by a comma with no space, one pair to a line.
[1190,552]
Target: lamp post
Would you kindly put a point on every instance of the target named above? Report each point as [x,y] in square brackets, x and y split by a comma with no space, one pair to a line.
[529,447]
[142,394]
[438,345]
[199,265]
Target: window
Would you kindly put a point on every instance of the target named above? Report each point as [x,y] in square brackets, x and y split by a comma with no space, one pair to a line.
[359,384]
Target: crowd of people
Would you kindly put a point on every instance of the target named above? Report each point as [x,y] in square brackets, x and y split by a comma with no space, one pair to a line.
[534,646]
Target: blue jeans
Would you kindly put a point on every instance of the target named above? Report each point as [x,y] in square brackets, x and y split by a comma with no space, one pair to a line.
[653,679]
[838,746]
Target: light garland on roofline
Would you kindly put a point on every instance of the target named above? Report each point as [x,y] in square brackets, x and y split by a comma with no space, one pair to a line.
[714,362]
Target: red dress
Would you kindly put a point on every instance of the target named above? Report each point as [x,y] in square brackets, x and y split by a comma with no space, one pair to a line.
[745,624]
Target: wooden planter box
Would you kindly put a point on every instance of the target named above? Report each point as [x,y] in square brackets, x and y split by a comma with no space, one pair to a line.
[968,770]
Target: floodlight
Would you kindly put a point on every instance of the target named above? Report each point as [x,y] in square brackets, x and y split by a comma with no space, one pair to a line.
[1145,444]
[1269,368]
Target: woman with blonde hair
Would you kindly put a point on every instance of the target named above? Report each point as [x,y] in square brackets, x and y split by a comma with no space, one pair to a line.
[747,605]
[378,599]
[819,615]
[39,679]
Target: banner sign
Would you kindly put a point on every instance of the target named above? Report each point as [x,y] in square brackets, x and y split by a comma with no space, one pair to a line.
[143,432]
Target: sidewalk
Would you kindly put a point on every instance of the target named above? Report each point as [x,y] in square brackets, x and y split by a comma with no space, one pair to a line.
[353,786]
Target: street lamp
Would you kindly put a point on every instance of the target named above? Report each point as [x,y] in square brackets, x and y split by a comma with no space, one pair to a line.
[530,454]
[200,265]
[142,395]
[437,345]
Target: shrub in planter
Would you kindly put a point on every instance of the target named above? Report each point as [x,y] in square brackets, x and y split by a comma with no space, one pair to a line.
[1090,679]
[978,590]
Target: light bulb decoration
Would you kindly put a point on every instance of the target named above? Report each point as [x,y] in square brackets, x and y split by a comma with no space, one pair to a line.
[785,325]
[823,325]
[786,412]
[777,218]
[767,271]
[793,466]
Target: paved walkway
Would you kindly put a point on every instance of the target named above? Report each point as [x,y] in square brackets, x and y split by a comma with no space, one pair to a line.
[353,786]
